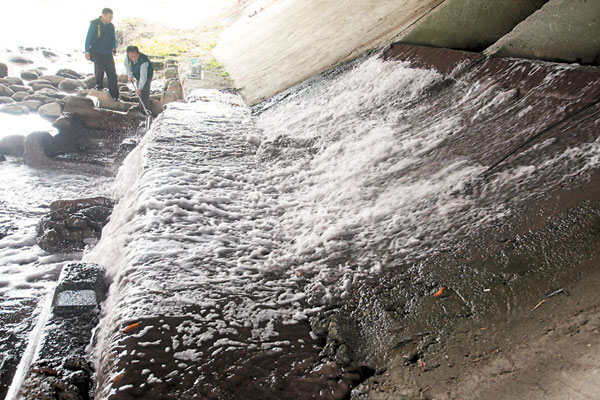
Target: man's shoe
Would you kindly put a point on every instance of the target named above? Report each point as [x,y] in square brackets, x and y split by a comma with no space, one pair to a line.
[98,87]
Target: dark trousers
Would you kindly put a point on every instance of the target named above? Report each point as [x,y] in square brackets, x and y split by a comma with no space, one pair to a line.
[106,63]
[145,94]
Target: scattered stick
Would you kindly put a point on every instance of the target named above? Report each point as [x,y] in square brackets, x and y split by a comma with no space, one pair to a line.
[538,304]
[561,290]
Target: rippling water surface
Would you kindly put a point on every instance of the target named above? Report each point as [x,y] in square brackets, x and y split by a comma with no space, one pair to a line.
[234,228]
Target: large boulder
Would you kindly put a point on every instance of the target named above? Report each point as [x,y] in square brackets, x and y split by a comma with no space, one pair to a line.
[46,142]
[71,85]
[33,105]
[12,145]
[34,154]
[6,100]
[73,224]
[6,91]
[53,79]
[105,100]
[96,118]
[3,70]
[50,111]
[68,73]
[30,75]
[19,96]
[14,108]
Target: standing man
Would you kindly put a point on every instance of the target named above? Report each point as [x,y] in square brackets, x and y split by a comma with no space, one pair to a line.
[100,46]
[139,67]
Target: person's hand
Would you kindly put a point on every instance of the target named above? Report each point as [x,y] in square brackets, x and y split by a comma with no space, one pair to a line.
[138,91]
[87,56]
[131,79]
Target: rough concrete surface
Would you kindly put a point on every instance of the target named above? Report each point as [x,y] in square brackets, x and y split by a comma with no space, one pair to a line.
[290,41]
[562,30]
[469,24]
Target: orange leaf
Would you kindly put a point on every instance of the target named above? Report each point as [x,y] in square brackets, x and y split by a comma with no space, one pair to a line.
[439,292]
[131,327]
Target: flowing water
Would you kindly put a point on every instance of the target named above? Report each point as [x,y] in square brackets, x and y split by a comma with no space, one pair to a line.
[235,226]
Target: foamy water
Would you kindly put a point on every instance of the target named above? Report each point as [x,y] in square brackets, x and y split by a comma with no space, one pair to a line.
[230,226]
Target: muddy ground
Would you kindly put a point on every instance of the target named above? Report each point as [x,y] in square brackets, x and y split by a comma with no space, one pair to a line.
[535,335]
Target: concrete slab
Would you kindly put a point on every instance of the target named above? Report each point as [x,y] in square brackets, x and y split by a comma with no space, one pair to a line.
[469,24]
[562,30]
[291,41]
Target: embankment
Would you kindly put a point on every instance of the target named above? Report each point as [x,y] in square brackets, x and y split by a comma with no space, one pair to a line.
[290,41]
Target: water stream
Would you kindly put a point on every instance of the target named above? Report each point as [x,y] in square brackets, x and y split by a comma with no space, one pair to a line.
[235,226]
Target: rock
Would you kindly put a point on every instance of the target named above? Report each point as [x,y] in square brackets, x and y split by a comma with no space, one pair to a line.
[33,105]
[90,81]
[39,81]
[53,79]
[80,204]
[50,111]
[51,92]
[2,158]
[21,88]
[6,91]
[123,78]
[12,145]
[71,85]
[68,228]
[34,154]
[20,60]
[68,73]
[13,80]
[6,100]
[45,140]
[169,97]
[106,101]
[170,73]
[48,54]
[156,107]
[14,108]
[61,369]
[95,118]
[30,75]
[40,86]
[174,87]
[69,124]
[19,96]
[130,98]
[39,97]
[3,70]
[158,65]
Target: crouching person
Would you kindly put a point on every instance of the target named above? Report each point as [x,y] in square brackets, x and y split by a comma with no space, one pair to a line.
[140,69]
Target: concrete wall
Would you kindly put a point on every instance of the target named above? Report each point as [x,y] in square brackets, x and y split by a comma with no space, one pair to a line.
[562,30]
[469,24]
[290,41]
